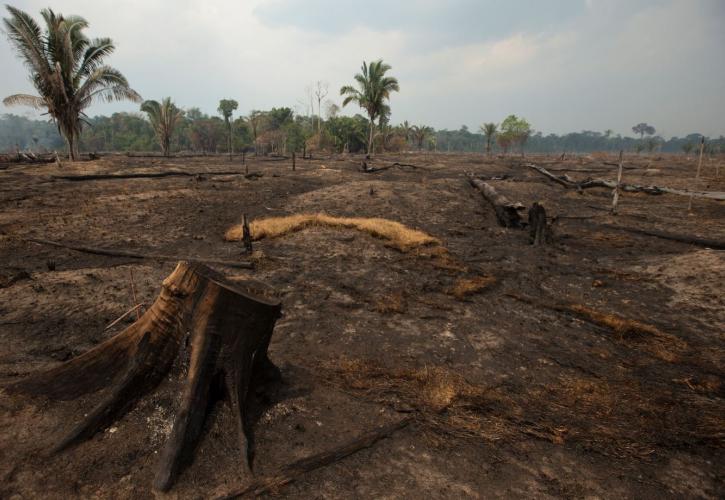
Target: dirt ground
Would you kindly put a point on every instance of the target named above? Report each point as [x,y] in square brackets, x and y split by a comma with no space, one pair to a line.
[568,407]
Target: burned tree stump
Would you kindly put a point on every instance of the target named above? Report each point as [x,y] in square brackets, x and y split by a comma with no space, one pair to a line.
[229,326]
[538,229]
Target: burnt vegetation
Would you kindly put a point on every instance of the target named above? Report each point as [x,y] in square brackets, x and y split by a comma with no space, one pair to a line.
[294,304]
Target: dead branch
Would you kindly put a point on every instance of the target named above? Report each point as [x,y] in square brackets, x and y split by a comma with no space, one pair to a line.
[365,168]
[507,213]
[142,175]
[292,471]
[682,238]
[135,255]
[568,182]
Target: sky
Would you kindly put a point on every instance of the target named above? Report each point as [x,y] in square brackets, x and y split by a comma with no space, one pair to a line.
[564,65]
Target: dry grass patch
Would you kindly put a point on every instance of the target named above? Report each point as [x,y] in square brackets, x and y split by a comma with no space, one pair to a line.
[397,235]
[466,287]
[394,302]
[442,400]
[658,343]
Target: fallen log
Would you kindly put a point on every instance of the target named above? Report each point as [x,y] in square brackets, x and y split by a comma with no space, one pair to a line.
[507,213]
[371,170]
[141,175]
[568,182]
[682,238]
[229,325]
[291,472]
[135,255]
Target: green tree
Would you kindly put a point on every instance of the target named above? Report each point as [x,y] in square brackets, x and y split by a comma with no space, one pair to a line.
[489,132]
[515,130]
[420,133]
[66,69]
[226,108]
[164,117]
[687,147]
[373,89]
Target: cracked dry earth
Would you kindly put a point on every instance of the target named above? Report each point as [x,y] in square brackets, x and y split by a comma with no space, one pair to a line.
[570,408]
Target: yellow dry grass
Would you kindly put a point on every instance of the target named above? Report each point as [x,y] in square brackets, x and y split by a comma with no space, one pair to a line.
[466,287]
[397,235]
[658,343]
[650,338]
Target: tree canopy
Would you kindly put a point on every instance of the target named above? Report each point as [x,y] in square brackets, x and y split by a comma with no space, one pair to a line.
[67,69]
[371,93]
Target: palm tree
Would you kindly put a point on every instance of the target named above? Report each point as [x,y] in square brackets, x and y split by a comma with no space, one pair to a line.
[163,118]
[226,108]
[373,89]
[66,69]
[489,131]
[420,133]
[405,129]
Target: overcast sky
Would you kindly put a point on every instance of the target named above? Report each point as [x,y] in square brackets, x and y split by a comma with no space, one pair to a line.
[565,65]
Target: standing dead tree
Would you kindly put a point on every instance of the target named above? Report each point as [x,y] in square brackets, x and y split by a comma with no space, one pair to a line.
[229,327]
[507,213]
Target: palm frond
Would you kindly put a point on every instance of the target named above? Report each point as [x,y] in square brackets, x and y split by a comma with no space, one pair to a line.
[25,100]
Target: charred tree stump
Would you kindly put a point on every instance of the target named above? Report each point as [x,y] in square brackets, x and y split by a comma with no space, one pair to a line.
[507,213]
[538,229]
[230,326]
[246,234]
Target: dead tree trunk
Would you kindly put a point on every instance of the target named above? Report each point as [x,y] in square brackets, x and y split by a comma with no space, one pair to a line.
[230,326]
[538,229]
[507,213]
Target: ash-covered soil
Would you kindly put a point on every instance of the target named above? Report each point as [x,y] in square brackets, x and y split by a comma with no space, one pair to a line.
[571,408]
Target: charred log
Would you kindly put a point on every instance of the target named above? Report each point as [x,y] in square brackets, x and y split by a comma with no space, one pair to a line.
[507,213]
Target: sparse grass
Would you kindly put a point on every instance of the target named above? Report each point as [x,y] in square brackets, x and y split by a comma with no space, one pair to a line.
[658,343]
[466,287]
[392,303]
[397,235]
[443,400]
[614,418]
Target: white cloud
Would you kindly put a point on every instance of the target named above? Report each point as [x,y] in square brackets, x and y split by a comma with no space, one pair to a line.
[611,63]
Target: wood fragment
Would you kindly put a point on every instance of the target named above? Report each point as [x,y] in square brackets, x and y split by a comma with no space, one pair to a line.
[294,470]
[135,255]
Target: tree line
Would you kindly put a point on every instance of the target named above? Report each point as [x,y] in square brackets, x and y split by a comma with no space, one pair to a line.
[69,73]
[198,132]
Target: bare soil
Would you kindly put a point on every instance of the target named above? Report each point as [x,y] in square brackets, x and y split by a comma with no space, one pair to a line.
[570,408]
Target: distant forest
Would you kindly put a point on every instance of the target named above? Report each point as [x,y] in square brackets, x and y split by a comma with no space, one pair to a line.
[280,130]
